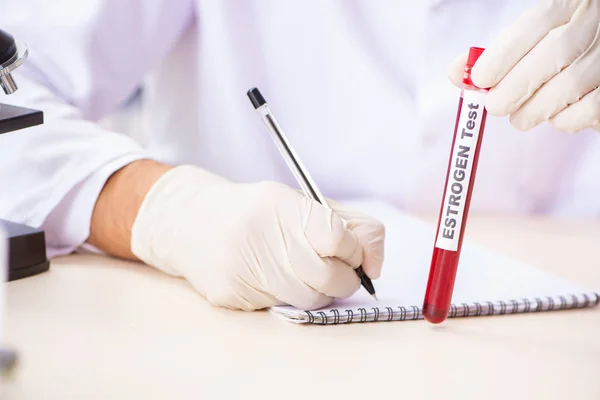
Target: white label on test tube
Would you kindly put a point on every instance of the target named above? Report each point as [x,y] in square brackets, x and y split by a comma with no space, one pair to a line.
[461,166]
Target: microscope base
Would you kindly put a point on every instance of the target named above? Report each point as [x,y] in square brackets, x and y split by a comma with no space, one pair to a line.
[26,245]
[26,250]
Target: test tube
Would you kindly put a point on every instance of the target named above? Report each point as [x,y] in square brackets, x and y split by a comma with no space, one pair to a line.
[460,178]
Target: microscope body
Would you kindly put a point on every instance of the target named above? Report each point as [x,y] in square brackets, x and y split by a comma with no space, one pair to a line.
[26,246]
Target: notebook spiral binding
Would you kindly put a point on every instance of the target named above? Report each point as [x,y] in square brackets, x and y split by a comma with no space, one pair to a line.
[400,313]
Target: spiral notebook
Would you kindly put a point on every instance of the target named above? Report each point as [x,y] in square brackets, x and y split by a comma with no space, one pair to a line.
[487,283]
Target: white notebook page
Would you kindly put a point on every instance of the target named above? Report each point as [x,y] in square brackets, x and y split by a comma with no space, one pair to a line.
[482,275]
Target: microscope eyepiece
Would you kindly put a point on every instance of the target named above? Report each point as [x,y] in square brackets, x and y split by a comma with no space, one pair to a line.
[12,55]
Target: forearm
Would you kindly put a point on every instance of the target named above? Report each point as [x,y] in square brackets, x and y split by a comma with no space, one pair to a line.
[118,204]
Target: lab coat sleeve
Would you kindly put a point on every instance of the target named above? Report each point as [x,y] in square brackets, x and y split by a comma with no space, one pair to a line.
[86,58]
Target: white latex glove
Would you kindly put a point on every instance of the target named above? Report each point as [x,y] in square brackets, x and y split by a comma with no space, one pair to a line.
[257,245]
[544,67]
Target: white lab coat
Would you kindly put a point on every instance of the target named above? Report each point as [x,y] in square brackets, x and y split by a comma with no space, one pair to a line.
[359,86]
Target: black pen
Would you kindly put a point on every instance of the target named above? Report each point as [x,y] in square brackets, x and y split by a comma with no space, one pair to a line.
[293,161]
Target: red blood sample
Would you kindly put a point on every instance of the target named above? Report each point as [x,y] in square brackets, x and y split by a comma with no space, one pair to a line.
[460,178]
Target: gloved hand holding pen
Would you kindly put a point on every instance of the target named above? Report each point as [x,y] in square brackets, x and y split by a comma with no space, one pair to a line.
[243,246]
[544,67]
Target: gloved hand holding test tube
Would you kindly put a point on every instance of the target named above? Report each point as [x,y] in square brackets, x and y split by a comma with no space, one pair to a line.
[460,178]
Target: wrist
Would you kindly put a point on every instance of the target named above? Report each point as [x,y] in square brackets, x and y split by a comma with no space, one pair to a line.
[118,204]
[185,193]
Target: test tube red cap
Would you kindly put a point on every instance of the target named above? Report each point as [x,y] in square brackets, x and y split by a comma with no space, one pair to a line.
[474,53]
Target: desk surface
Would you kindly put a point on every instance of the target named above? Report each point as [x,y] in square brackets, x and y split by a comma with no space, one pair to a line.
[98,328]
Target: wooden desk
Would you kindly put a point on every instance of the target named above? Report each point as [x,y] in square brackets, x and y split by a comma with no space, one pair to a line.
[94,328]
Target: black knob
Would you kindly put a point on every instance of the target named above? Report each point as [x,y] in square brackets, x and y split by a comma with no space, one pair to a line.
[8,48]
[256,97]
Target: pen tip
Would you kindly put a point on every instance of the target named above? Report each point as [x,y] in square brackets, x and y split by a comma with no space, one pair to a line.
[375,297]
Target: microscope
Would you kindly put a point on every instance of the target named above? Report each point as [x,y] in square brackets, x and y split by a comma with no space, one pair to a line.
[26,245]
